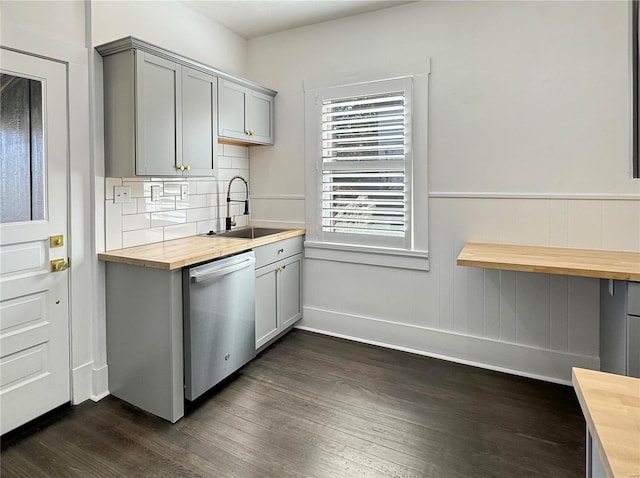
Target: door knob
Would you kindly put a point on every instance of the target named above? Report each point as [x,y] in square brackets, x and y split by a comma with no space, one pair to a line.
[59,265]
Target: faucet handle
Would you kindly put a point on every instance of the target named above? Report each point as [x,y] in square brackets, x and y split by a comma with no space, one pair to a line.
[233,221]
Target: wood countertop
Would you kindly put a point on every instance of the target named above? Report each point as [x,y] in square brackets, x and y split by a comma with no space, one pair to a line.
[611,406]
[553,260]
[184,252]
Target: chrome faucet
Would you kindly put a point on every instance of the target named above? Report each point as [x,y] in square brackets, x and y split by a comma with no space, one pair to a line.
[229,222]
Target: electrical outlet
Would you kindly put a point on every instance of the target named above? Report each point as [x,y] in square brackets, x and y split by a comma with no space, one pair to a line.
[121,194]
[155,192]
[184,191]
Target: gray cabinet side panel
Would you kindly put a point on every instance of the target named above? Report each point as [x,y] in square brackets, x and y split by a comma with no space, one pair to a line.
[119,114]
[613,317]
[144,338]
[633,346]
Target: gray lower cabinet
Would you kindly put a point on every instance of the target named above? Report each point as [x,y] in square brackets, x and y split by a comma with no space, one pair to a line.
[278,288]
[620,327]
[245,115]
[160,117]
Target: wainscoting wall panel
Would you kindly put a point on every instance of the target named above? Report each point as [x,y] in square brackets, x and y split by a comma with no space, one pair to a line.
[553,320]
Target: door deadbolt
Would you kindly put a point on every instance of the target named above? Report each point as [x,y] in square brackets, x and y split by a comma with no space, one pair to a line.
[56,241]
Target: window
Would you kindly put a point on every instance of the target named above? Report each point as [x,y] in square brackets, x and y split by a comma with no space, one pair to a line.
[366,172]
[366,159]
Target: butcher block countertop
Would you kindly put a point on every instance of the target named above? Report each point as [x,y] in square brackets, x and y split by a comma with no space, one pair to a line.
[184,252]
[611,406]
[617,265]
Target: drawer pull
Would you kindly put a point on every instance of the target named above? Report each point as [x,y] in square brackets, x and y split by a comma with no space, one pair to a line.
[280,251]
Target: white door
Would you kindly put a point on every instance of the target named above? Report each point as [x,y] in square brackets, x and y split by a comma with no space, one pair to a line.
[34,302]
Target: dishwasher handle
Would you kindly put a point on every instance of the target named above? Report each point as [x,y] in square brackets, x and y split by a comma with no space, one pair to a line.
[214,272]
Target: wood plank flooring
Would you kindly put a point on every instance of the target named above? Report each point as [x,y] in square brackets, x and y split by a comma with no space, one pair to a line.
[316,406]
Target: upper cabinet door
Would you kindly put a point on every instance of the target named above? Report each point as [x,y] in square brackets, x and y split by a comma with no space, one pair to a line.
[199,124]
[232,105]
[260,117]
[245,115]
[158,118]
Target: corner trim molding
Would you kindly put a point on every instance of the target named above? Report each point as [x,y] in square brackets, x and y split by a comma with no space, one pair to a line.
[542,364]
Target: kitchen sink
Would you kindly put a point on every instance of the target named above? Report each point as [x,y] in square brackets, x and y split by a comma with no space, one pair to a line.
[249,232]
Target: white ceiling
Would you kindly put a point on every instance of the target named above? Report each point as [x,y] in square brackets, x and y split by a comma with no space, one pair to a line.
[254,18]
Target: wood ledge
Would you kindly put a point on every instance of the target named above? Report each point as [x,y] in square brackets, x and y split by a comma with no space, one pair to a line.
[618,265]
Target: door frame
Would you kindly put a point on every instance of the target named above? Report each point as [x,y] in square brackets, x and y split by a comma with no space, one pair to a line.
[85,173]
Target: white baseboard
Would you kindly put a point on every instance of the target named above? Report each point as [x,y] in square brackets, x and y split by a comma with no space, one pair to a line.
[543,364]
[89,383]
[100,383]
[82,383]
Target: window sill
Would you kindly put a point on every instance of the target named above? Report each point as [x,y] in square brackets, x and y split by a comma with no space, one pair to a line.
[376,256]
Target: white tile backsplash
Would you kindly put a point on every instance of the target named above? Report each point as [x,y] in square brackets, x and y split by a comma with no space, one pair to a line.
[164,204]
[130,207]
[136,221]
[143,221]
[142,236]
[168,218]
[179,231]
[113,221]
[194,201]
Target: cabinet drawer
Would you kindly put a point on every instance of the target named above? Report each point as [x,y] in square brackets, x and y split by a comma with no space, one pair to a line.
[276,251]
[633,298]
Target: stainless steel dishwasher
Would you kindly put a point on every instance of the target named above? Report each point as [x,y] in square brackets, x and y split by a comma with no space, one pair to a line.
[219,320]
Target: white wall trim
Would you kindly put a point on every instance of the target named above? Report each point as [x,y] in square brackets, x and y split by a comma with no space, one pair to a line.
[282,224]
[288,197]
[514,195]
[549,365]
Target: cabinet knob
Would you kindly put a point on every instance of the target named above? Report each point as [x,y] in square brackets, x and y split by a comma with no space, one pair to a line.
[181,168]
[188,168]
[281,268]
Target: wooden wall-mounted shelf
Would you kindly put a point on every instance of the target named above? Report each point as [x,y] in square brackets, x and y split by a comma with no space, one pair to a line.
[617,265]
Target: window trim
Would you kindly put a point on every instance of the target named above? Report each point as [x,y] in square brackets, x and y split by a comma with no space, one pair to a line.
[415,254]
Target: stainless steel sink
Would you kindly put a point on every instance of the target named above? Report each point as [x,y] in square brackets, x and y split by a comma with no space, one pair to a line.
[250,232]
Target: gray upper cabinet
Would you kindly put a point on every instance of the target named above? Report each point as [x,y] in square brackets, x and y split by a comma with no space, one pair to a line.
[245,114]
[160,117]
[161,112]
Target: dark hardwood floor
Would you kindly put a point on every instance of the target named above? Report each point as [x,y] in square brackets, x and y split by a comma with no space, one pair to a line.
[316,406]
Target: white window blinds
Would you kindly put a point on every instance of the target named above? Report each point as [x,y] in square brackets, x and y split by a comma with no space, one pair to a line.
[365,145]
